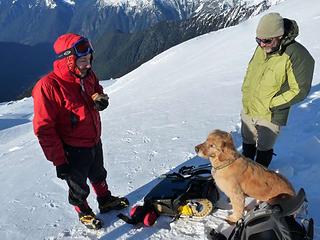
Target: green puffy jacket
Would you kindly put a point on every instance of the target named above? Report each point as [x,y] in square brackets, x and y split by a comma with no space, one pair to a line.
[276,81]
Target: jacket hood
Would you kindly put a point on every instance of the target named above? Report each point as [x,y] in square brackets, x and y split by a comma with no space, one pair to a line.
[65,68]
[291,31]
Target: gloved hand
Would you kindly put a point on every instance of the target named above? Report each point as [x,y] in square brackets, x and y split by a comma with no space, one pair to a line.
[101,101]
[63,171]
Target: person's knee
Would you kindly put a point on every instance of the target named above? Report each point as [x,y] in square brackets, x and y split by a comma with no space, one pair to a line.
[98,176]
[78,192]
[248,134]
[266,138]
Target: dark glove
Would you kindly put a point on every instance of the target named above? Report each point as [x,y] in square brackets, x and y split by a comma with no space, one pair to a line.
[63,171]
[101,101]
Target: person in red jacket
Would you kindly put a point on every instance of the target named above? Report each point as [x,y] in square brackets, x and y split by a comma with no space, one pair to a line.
[67,124]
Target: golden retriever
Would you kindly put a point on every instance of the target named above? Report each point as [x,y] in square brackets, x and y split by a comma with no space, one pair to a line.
[238,176]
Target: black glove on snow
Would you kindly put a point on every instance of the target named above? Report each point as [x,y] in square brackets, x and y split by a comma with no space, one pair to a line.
[101,101]
[63,171]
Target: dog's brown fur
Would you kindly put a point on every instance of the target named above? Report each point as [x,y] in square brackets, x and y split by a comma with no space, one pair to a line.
[238,176]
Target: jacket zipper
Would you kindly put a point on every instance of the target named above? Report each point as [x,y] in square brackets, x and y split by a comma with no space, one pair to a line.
[84,96]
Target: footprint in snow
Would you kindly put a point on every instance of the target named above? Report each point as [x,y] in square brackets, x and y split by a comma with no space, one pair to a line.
[40,195]
[14,149]
[146,140]
[152,155]
[131,132]
[128,140]
[51,205]
[137,169]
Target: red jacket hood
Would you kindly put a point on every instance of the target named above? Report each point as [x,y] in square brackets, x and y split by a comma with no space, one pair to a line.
[65,68]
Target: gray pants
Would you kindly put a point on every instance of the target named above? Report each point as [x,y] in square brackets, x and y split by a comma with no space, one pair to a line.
[260,132]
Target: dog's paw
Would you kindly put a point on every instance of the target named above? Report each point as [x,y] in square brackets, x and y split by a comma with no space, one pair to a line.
[232,219]
[230,222]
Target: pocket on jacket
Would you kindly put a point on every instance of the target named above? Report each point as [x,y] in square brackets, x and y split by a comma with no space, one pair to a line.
[269,78]
[79,111]
[280,116]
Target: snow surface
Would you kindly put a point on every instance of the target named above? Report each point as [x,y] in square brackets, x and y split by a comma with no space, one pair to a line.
[157,114]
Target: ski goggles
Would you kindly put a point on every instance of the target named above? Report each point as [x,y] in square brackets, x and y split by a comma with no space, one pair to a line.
[265,41]
[81,48]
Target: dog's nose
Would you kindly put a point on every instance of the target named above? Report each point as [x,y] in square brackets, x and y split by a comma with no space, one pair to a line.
[196,148]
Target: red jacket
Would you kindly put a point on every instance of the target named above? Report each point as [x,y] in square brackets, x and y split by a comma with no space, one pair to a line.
[64,111]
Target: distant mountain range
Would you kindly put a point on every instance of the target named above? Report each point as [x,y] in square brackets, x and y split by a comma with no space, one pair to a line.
[20,66]
[118,53]
[125,33]
[35,21]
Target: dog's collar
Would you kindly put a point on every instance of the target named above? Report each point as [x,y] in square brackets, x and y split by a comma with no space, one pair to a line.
[224,165]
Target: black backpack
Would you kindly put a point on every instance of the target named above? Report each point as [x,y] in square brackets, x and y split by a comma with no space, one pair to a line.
[190,192]
[283,219]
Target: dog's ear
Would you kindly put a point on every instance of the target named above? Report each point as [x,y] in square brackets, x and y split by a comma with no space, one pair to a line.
[228,142]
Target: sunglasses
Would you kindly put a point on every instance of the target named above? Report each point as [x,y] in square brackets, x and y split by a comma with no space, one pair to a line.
[265,41]
[81,48]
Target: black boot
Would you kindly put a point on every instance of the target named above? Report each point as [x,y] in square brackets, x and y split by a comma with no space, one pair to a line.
[249,150]
[264,157]
[112,203]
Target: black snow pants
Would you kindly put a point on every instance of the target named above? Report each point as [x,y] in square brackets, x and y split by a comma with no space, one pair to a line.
[84,163]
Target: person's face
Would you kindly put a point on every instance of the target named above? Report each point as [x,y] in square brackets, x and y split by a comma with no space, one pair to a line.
[269,45]
[84,64]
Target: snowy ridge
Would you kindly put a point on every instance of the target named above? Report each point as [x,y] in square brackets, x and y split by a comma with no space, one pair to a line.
[71,2]
[256,2]
[142,4]
[51,4]
[132,3]
[104,3]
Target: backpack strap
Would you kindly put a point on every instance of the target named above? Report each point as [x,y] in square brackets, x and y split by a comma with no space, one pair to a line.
[127,219]
[187,172]
[237,230]
[195,170]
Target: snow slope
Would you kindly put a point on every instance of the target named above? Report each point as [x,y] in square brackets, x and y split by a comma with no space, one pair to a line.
[157,114]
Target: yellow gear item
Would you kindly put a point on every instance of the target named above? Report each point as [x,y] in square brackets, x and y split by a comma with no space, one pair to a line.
[196,208]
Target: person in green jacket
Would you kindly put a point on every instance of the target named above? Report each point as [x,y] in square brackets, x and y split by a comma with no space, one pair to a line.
[279,75]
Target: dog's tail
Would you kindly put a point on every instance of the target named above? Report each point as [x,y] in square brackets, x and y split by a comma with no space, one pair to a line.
[287,188]
[280,196]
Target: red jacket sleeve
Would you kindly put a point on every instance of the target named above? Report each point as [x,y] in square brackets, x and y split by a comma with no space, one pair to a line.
[46,108]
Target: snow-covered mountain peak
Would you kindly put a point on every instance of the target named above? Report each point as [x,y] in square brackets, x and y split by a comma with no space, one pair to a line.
[143,4]
[131,3]
[255,2]
[52,4]
[71,2]
[197,4]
